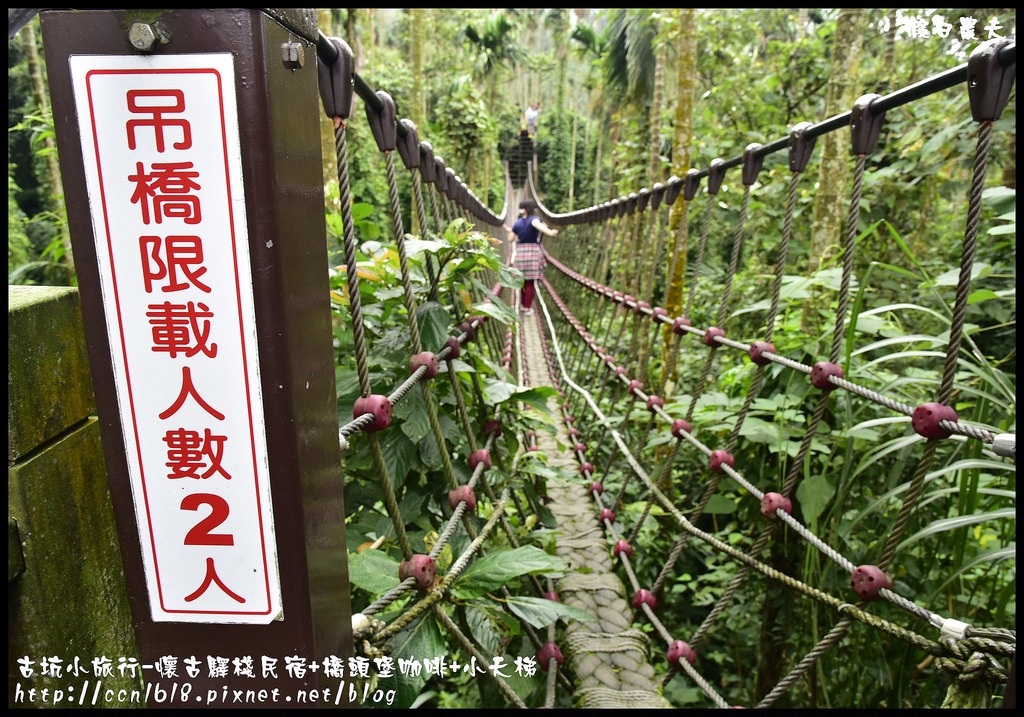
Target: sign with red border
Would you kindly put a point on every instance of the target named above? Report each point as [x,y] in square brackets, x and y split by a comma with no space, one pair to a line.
[160,140]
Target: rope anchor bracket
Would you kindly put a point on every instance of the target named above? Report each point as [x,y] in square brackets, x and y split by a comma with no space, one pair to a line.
[988,81]
[800,147]
[335,80]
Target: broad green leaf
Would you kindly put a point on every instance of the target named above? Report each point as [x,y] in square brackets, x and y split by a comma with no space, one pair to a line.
[459,365]
[976,297]
[491,572]
[373,570]
[544,515]
[399,453]
[361,211]
[491,309]
[411,506]
[497,300]
[1004,229]
[421,640]
[414,246]
[536,397]
[413,412]
[868,324]
[430,454]
[951,277]
[541,612]
[814,494]
[433,320]
[760,431]
[389,292]
[483,631]
[510,277]
[1003,199]
[720,505]
[498,391]
[336,225]
[939,139]
[959,521]
[465,265]
[346,382]
[369,230]
[453,234]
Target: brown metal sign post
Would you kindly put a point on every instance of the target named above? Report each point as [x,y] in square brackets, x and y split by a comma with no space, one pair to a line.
[190,152]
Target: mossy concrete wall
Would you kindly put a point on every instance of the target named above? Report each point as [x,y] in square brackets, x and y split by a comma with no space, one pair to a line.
[66,595]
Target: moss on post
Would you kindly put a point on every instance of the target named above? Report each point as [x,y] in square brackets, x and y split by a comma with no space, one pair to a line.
[66,589]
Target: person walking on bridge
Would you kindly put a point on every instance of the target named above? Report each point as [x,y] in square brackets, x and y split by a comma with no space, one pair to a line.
[529,254]
[532,115]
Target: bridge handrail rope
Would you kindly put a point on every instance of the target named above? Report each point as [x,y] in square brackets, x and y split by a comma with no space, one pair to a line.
[1003,51]
[645,600]
[682,432]
[991,74]
[1003,447]
[871,111]
[947,626]
[337,85]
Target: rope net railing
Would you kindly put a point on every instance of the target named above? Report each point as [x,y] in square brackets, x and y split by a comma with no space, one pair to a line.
[596,323]
[452,416]
[450,424]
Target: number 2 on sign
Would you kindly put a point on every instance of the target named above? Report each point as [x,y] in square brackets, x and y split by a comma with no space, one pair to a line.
[201,534]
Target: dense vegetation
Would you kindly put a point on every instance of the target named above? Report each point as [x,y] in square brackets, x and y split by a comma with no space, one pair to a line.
[629,97]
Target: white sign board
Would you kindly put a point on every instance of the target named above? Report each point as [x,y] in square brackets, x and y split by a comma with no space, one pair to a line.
[160,140]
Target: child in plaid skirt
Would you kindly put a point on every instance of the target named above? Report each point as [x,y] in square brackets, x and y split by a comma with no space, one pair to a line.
[529,254]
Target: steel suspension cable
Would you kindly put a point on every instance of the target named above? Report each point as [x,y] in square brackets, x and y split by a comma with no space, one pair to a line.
[929,646]
[355,304]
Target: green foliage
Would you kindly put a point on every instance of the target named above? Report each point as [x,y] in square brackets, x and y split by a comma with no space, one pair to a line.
[630,58]
[18,243]
[956,555]
[464,263]
[35,239]
[495,44]
[465,129]
[498,568]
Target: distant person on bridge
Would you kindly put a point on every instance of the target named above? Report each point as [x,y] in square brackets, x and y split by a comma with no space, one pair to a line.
[532,114]
[529,255]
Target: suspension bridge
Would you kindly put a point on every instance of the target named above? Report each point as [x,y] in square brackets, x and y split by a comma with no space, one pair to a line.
[599,434]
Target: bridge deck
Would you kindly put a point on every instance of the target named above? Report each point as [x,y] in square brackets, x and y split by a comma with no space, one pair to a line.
[608,657]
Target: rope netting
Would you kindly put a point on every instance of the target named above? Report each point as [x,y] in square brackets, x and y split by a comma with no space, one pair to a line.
[461,408]
[445,208]
[628,252]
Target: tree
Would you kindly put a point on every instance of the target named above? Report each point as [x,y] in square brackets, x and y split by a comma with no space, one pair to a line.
[830,200]
[496,48]
[327,145]
[417,23]
[682,160]
[593,46]
[557,21]
[630,66]
[39,248]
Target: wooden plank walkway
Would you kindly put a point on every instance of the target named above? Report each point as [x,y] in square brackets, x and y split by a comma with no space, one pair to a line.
[608,658]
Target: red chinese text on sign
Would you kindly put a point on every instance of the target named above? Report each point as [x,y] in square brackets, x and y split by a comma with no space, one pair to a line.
[162,158]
